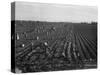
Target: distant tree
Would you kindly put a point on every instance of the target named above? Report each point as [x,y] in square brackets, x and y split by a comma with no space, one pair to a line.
[94,23]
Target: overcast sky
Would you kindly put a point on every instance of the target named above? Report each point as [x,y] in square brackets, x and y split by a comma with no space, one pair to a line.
[55,12]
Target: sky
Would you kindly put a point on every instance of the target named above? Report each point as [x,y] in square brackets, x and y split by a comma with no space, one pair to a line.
[55,12]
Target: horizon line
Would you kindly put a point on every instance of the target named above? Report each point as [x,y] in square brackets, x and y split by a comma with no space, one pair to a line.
[56,21]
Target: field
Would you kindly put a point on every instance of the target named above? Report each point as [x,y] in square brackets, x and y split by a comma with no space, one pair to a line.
[53,46]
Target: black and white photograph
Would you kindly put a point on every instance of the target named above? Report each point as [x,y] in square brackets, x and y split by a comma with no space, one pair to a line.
[53,37]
